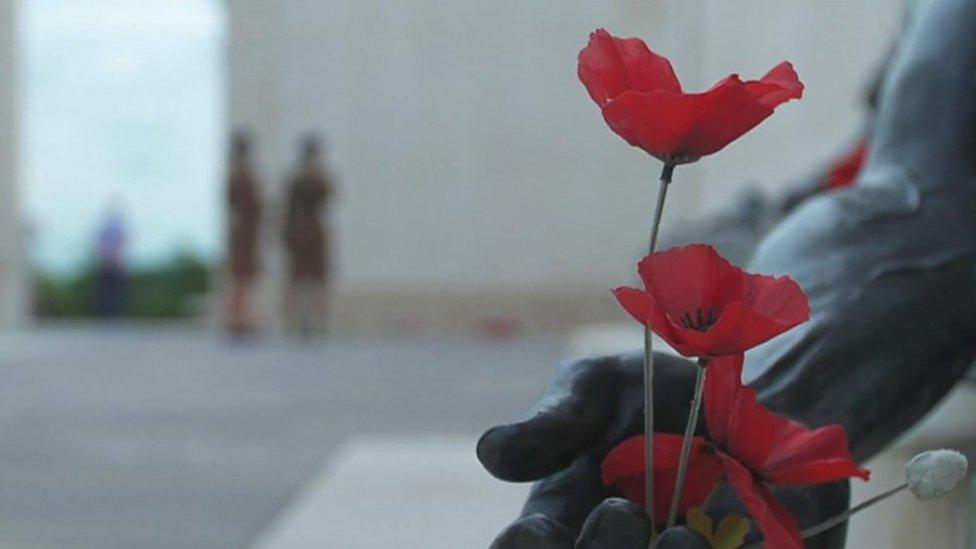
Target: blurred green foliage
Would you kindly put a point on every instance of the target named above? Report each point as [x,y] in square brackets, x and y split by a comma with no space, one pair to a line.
[166,290]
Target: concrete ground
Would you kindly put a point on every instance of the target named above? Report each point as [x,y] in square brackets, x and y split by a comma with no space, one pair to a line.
[162,437]
[403,492]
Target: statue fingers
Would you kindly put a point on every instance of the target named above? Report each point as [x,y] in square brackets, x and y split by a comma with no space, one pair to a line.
[534,532]
[569,420]
[616,524]
[681,537]
[569,496]
[589,406]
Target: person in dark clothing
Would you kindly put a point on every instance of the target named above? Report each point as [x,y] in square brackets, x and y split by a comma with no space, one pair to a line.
[244,219]
[307,241]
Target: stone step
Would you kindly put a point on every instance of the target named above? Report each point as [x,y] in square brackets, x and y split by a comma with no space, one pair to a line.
[404,492]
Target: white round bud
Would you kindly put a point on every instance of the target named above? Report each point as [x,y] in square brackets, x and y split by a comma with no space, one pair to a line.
[933,474]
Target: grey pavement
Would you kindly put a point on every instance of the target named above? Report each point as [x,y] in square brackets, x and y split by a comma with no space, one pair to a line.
[162,437]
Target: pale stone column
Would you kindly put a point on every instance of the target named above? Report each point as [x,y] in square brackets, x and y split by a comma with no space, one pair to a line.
[473,171]
[13,284]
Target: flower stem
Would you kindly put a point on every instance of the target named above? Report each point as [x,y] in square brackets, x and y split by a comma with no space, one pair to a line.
[846,515]
[830,523]
[662,193]
[679,484]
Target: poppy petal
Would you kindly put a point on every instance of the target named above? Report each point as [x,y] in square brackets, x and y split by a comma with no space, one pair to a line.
[768,307]
[624,468]
[778,86]
[650,121]
[801,456]
[687,279]
[609,66]
[723,338]
[636,302]
[739,328]
[627,459]
[722,115]
[705,306]
[667,330]
[779,298]
[736,422]
[774,520]
[722,385]
[674,126]
[644,309]
[751,427]
[847,169]
[775,448]
[641,99]
[818,472]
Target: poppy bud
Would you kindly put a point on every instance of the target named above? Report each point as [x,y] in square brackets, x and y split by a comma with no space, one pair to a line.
[933,474]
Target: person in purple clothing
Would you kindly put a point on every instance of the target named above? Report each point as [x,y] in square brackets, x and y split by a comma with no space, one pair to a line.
[110,283]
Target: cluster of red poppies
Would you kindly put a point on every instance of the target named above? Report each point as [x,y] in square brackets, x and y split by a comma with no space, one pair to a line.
[705,307]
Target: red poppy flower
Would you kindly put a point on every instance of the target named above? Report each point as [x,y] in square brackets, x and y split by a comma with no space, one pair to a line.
[846,170]
[624,468]
[750,445]
[757,447]
[642,101]
[704,306]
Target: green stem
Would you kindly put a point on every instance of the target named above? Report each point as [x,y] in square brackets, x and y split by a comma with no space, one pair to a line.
[679,483]
[662,193]
[830,523]
[842,517]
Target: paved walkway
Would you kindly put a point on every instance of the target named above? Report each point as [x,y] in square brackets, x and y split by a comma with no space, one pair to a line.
[133,437]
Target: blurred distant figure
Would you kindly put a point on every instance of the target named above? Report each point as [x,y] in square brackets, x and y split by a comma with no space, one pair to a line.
[244,218]
[307,241]
[110,280]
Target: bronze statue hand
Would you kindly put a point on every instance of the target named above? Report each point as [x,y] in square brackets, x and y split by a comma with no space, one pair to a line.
[589,407]
[614,524]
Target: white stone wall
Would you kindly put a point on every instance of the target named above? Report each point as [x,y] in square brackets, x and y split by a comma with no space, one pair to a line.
[471,159]
[13,287]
